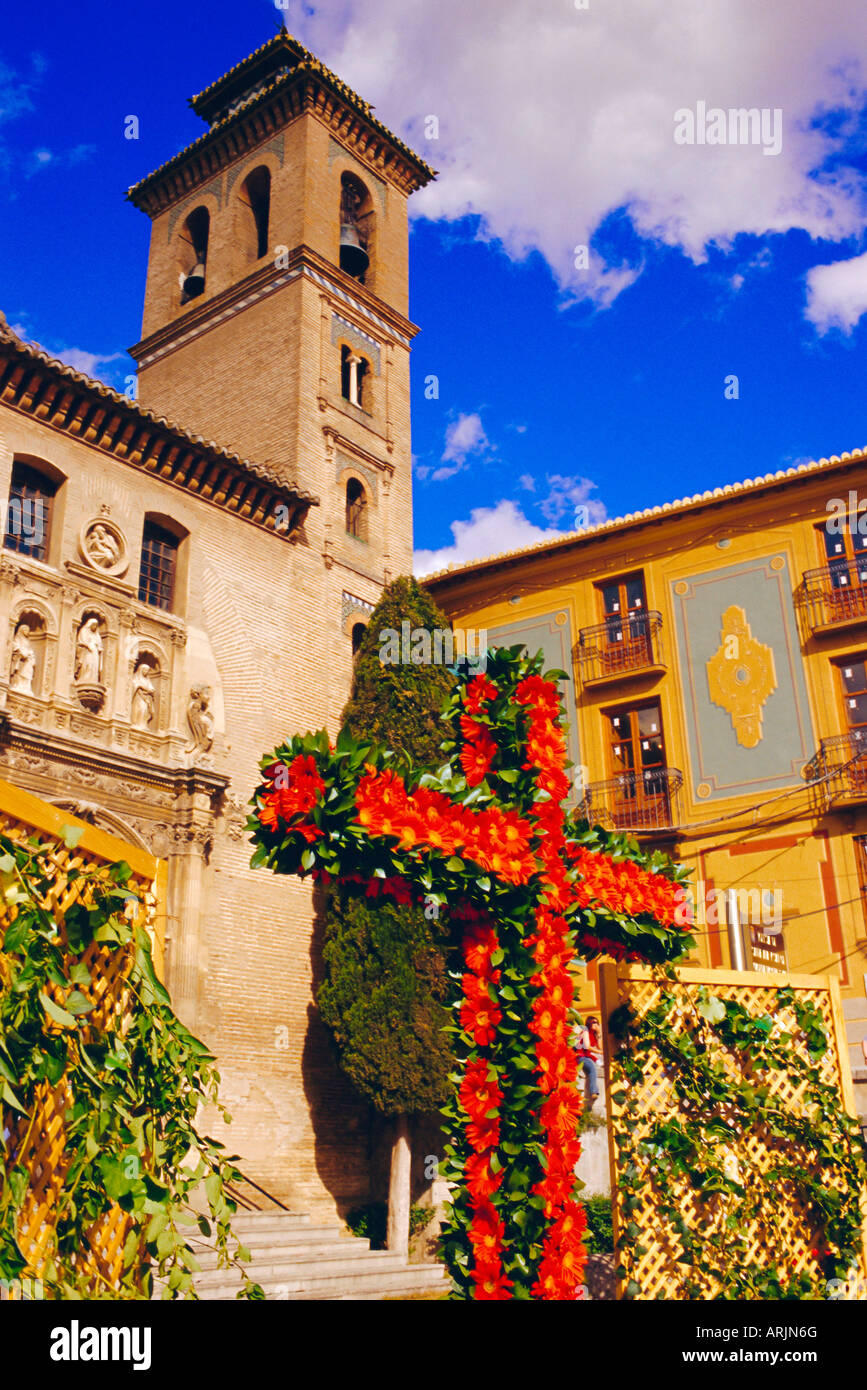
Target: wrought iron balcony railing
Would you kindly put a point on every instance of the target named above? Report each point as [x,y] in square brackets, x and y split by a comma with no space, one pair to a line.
[641,801]
[621,646]
[834,596]
[839,768]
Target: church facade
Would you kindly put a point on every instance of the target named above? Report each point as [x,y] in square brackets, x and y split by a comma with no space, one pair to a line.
[185,574]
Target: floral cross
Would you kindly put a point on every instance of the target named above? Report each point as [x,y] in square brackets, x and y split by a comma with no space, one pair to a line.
[486,838]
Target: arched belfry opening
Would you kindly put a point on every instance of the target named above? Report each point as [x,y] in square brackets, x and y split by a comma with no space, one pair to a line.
[356,229]
[193,253]
[255,199]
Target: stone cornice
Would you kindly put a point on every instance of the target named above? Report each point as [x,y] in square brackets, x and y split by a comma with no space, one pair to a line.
[53,747]
[265,281]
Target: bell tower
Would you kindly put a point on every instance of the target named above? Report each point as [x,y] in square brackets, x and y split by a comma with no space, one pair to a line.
[275,317]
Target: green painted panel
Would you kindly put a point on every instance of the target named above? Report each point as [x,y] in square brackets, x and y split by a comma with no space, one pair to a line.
[719,762]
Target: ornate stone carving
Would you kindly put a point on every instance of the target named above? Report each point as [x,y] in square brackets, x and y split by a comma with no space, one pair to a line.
[88,652]
[741,676]
[103,546]
[22,666]
[88,665]
[200,721]
[143,697]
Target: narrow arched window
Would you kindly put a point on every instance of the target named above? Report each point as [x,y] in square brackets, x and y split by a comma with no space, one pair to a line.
[358,631]
[354,377]
[356,510]
[255,198]
[29,511]
[193,253]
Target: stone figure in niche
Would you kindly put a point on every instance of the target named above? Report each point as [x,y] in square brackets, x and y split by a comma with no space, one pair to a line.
[200,720]
[102,547]
[143,697]
[88,653]
[22,667]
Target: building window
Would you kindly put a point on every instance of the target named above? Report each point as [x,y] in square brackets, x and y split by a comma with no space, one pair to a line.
[28,514]
[256,200]
[159,557]
[635,740]
[356,510]
[193,253]
[845,549]
[354,377]
[861,865]
[637,759]
[358,631]
[624,610]
[853,679]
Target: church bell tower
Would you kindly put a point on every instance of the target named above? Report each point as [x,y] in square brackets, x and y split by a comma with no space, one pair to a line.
[275,316]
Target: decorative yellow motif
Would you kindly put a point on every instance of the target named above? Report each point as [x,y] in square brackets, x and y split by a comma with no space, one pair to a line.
[741,676]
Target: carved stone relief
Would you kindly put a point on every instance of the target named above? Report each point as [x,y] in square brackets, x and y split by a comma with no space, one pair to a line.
[103,547]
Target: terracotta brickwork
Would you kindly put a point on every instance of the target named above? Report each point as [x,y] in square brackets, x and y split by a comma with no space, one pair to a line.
[269,584]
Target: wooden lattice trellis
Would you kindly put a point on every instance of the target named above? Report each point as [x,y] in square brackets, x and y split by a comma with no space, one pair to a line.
[37,1141]
[657,1272]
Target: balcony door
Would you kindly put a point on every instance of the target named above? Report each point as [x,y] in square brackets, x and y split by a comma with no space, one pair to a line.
[853,679]
[638,768]
[626,640]
[845,550]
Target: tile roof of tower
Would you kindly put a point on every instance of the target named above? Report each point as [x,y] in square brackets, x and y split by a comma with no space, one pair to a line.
[303,62]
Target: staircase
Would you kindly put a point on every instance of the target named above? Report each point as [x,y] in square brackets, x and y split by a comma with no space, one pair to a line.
[293,1257]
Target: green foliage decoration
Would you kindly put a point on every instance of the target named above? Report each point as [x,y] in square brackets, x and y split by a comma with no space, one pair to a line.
[384,999]
[818,1166]
[385,986]
[135,1084]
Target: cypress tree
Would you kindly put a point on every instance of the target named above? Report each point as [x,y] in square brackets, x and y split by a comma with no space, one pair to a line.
[384,989]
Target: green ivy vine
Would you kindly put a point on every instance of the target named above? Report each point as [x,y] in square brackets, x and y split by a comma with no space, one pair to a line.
[136,1085]
[733,1246]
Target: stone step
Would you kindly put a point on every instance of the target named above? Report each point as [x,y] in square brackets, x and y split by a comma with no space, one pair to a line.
[293,1256]
[274,1220]
[256,1241]
[267,1261]
[280,1268]
[855,1008]
[350,1284]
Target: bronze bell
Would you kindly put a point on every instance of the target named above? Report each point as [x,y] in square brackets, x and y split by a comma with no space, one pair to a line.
[353,257]
[195,282]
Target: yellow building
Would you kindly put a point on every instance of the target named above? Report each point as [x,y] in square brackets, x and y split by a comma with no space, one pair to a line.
[717,648]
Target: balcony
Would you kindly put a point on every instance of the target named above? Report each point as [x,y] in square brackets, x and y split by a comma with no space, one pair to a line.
[619,648]
[839,769]
[835,596]
[643,802]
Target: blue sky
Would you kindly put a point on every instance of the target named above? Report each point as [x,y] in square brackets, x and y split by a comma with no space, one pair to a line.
[560,383]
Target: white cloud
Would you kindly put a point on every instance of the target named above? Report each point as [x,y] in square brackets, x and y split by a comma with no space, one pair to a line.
[464,436]
[565,494]
[551,117]
[90,363]
[837,294]
[489,531]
